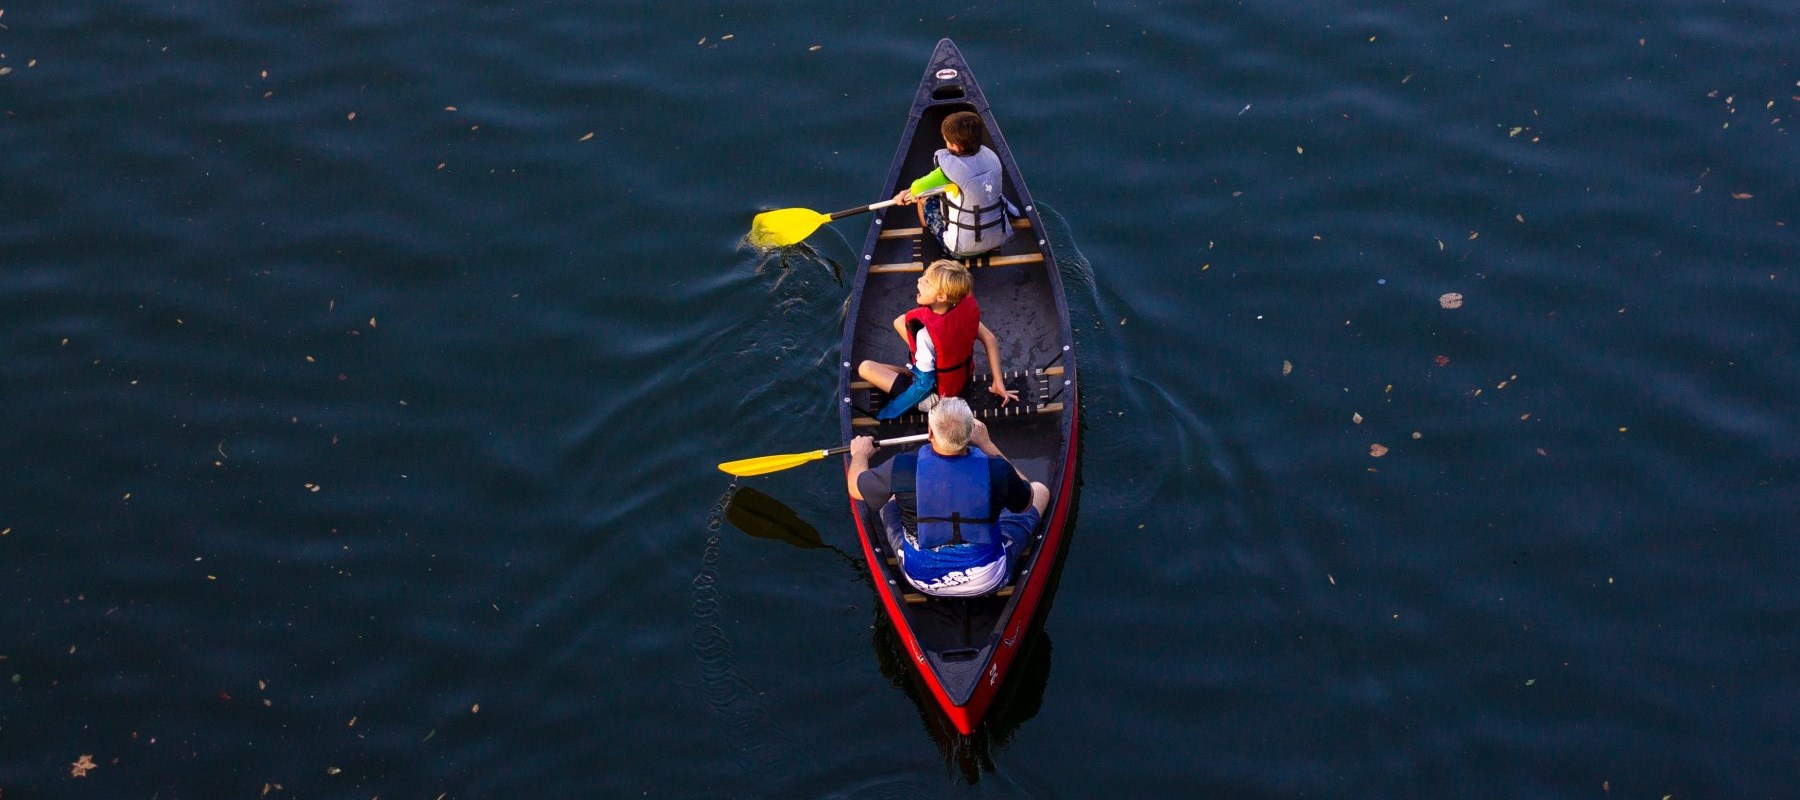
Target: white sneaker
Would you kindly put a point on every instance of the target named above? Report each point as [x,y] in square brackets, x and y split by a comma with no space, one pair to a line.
[925,406]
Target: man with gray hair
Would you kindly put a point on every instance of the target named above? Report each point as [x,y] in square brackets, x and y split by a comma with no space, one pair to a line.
[957,513]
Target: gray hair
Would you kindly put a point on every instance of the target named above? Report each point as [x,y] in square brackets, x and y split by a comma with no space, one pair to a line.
[952,423]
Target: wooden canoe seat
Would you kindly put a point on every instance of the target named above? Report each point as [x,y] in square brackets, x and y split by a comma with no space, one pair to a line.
[1036,388]
[982,380]
[915,598]
[1020,409]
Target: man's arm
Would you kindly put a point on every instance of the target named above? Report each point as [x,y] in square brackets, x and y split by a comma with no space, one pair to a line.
[861,449]
[979,439]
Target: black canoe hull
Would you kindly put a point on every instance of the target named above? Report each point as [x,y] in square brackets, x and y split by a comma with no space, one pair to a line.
[962,648]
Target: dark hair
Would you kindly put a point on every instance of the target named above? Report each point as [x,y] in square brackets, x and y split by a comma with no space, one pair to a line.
[963,129]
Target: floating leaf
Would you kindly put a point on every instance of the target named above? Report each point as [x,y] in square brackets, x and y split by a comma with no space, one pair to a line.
[1741,195]
[1287,367]
[1377,451]
[1356,418]
[81,765]
[1441,361]
[1450,300]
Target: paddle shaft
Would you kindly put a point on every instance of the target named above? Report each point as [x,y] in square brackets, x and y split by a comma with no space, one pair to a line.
[838,451]
[850,212]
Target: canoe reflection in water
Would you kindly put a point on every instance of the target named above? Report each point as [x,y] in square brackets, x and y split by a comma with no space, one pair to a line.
[969,755]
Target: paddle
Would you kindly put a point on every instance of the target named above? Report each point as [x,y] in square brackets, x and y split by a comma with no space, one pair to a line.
[763,465]
[785,226]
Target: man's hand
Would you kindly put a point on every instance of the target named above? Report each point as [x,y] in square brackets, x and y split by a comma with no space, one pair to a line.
[862,447]
[905,196]
[978,438]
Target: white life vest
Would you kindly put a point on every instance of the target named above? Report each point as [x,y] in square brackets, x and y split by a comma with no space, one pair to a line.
[976,218]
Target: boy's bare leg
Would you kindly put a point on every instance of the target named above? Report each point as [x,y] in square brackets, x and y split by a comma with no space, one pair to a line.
[882,375]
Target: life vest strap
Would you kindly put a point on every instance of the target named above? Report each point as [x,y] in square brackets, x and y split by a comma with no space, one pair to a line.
[956,521]
[958,367]
[979,226]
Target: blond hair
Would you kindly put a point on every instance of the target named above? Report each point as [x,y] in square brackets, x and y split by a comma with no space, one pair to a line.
[950,279]
[952,423]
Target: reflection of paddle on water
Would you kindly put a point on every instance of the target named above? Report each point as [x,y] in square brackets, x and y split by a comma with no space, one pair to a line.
[764,517]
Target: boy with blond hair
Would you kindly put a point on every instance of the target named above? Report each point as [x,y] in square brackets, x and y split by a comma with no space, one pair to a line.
[940,337]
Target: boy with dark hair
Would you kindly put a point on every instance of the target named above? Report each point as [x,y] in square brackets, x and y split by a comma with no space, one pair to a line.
[969,215]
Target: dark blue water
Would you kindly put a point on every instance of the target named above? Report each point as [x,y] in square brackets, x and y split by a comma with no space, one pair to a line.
[361,408]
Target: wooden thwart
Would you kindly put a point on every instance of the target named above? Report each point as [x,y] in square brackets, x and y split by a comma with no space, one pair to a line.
[1020,224]
[919,266]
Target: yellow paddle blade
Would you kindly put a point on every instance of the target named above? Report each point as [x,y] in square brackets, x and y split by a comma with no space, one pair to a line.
[785,226]
[763,465]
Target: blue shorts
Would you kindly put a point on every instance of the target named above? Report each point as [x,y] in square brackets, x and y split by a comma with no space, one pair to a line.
[933,212]
[921,386]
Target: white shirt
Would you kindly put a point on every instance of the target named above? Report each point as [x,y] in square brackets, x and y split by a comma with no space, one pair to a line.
[924,353]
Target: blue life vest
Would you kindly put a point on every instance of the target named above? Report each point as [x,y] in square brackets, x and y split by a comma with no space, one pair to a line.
[954,523]
[954,502]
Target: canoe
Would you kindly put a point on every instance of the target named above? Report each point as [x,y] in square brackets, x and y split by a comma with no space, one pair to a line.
[963,648]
